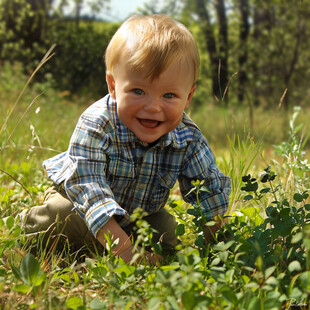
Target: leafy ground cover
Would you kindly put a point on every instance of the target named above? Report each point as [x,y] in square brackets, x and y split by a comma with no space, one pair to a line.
[260,259]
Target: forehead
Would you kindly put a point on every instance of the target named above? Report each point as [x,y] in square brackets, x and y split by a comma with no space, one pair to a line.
[177,75]
[151,70]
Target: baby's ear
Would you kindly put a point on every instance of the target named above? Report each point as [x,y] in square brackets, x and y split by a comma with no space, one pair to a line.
[111,84]
[190,95]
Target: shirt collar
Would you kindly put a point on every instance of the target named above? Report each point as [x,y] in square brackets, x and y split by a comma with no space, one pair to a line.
[178,138]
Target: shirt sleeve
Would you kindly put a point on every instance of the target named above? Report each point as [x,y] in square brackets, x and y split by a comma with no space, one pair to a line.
[199,164]
[84,174]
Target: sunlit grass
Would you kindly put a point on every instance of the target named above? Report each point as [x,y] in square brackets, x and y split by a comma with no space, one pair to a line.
[232,274]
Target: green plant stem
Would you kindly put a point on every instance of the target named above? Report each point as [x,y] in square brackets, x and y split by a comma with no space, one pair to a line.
[18,183]
[46,58]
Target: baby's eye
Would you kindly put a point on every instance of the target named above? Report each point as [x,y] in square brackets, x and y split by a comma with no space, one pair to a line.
[169,95]
[138,91]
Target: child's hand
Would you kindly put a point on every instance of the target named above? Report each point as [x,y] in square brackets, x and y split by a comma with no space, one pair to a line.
[145,258]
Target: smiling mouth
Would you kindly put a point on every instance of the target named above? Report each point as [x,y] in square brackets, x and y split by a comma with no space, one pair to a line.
[149,123]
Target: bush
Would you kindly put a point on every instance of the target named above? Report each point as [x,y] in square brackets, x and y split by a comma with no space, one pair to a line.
[78,64]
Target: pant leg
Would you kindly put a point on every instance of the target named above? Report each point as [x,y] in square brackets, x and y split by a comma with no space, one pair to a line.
[55,217]
[165,224]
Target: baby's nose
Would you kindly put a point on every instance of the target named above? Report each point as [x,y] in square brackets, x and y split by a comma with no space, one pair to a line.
[153,105]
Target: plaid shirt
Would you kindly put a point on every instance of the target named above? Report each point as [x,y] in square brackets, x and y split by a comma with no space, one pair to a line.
[107,171]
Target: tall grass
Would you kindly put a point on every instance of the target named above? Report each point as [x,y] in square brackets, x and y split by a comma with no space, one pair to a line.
[233,274]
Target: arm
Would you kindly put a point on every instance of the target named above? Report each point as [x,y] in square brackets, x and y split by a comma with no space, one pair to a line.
[124,248]
[199,164]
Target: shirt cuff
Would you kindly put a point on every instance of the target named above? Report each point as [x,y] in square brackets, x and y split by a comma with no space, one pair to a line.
[100,213]
[215,205]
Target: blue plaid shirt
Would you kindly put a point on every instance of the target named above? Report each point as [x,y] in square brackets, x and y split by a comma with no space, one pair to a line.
[107,171]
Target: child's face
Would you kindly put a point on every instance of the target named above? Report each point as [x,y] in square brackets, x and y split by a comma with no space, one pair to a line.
[150,109]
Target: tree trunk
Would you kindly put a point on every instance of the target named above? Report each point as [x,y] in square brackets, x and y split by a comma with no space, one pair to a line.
[263,20]
[211,45]
[243,56]
[223,48]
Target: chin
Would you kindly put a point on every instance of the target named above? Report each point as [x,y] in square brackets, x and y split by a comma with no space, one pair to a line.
[148,139]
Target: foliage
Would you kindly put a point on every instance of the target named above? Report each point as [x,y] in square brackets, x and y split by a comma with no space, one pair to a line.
[260,259]
[260,46]
[78,65]
[27,32]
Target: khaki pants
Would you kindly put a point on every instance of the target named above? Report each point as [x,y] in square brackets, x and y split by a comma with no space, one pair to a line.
[56,218]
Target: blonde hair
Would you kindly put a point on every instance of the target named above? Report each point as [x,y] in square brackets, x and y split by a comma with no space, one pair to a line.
[152,43]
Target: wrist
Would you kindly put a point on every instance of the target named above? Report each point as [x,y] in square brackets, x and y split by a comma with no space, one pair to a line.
[122,248]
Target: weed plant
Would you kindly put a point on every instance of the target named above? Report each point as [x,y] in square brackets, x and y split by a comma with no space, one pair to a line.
[260,259]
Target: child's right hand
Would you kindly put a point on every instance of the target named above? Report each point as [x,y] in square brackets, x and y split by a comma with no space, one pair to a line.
[145,258]
[124,247]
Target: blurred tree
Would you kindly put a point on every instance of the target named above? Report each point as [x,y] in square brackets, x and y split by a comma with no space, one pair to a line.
[265,41]
[244,9]
[25,18]
[76,7]
[279,49]
[169,7]
[215,38]
[217,47]
[23,24]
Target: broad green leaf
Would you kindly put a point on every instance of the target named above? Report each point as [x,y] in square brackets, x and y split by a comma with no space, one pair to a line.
[180,230]
[100,271]
[154,303]
[65,277]
[265,190]
[17,231]
[173,302]
[210,223]
[259,262]
[223,246]
[173,266]
[294,266]
[16,272]
[9,222]
[127,269]
[229,295]
[188,300]
[97,304]
[199,241]
[223,256]
[194,212]
[74,302]
[2,272]
[22,288]
[254,304]
[248,197]
[272,301]
[90,263]
[297,237]
[298,197]
[215,261]
[269,271]
[30,270]
[305,279]
[229,275]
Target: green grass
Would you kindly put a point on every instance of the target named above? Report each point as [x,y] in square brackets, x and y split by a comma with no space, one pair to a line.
[261,259]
